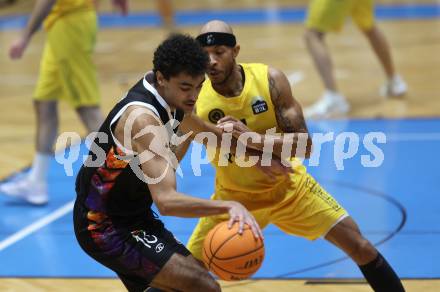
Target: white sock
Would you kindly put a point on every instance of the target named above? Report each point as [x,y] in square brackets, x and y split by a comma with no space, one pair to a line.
[40,167]
[395,78]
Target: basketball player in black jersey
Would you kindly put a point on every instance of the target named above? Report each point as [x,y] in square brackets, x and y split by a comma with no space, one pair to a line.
[113,220]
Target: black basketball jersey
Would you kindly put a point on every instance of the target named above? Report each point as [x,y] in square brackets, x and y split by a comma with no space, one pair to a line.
[112,189]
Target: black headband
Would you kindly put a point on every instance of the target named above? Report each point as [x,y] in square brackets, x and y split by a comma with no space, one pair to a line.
[216,39]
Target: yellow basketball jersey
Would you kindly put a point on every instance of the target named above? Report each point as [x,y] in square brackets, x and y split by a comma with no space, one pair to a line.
[64,7]
[254,108]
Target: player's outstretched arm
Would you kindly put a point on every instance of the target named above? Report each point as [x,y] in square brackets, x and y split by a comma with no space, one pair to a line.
[186,132]
[150,141]
[192,125]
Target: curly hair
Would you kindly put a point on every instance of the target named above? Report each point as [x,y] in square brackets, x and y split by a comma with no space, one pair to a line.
[180,53]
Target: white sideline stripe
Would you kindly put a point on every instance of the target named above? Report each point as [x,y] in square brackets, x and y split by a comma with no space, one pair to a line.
[28,230]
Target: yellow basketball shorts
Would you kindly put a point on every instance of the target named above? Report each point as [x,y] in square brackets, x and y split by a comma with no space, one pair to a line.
[67,70]
[330,15]
[306,210]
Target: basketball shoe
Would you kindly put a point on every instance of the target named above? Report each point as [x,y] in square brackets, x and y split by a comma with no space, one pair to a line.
[394,87]
[32,192]
[331,104]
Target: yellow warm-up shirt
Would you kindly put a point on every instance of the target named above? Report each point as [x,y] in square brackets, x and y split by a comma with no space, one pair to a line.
[254,107]
[64,7]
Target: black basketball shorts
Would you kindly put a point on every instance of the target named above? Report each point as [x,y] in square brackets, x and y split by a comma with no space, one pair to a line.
[135,255]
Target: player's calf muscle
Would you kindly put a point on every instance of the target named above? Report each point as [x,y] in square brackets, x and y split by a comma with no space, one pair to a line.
[199,279]
[185,274]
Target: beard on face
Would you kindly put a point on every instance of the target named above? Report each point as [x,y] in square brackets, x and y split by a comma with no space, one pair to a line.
[227,73]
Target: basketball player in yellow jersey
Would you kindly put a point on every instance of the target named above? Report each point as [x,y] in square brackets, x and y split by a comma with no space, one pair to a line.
[329,16]
[256,97]
[66,73]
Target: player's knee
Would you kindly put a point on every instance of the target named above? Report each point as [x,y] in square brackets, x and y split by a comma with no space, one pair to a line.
[91,116]
[370,32]
[201,280]
[308,34]
[312,34]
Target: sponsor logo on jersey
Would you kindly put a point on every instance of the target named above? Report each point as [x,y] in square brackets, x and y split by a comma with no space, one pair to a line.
[259,106]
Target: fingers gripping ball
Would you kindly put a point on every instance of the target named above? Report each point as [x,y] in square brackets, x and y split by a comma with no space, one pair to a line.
[232,256]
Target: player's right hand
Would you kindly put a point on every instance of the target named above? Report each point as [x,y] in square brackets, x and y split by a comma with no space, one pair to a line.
[238,213]
[277,167]
[18,47]
[121,5]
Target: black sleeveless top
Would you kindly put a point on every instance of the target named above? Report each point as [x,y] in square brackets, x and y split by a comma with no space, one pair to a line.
[112,188]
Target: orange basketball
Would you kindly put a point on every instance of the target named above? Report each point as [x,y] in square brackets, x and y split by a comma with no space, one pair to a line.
[232,256]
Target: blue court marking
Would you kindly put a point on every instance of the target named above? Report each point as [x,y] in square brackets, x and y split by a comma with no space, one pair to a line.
[395,204]
[239,16]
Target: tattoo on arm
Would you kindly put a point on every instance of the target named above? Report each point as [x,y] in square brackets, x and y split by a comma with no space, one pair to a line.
[274,92]
[284,122]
